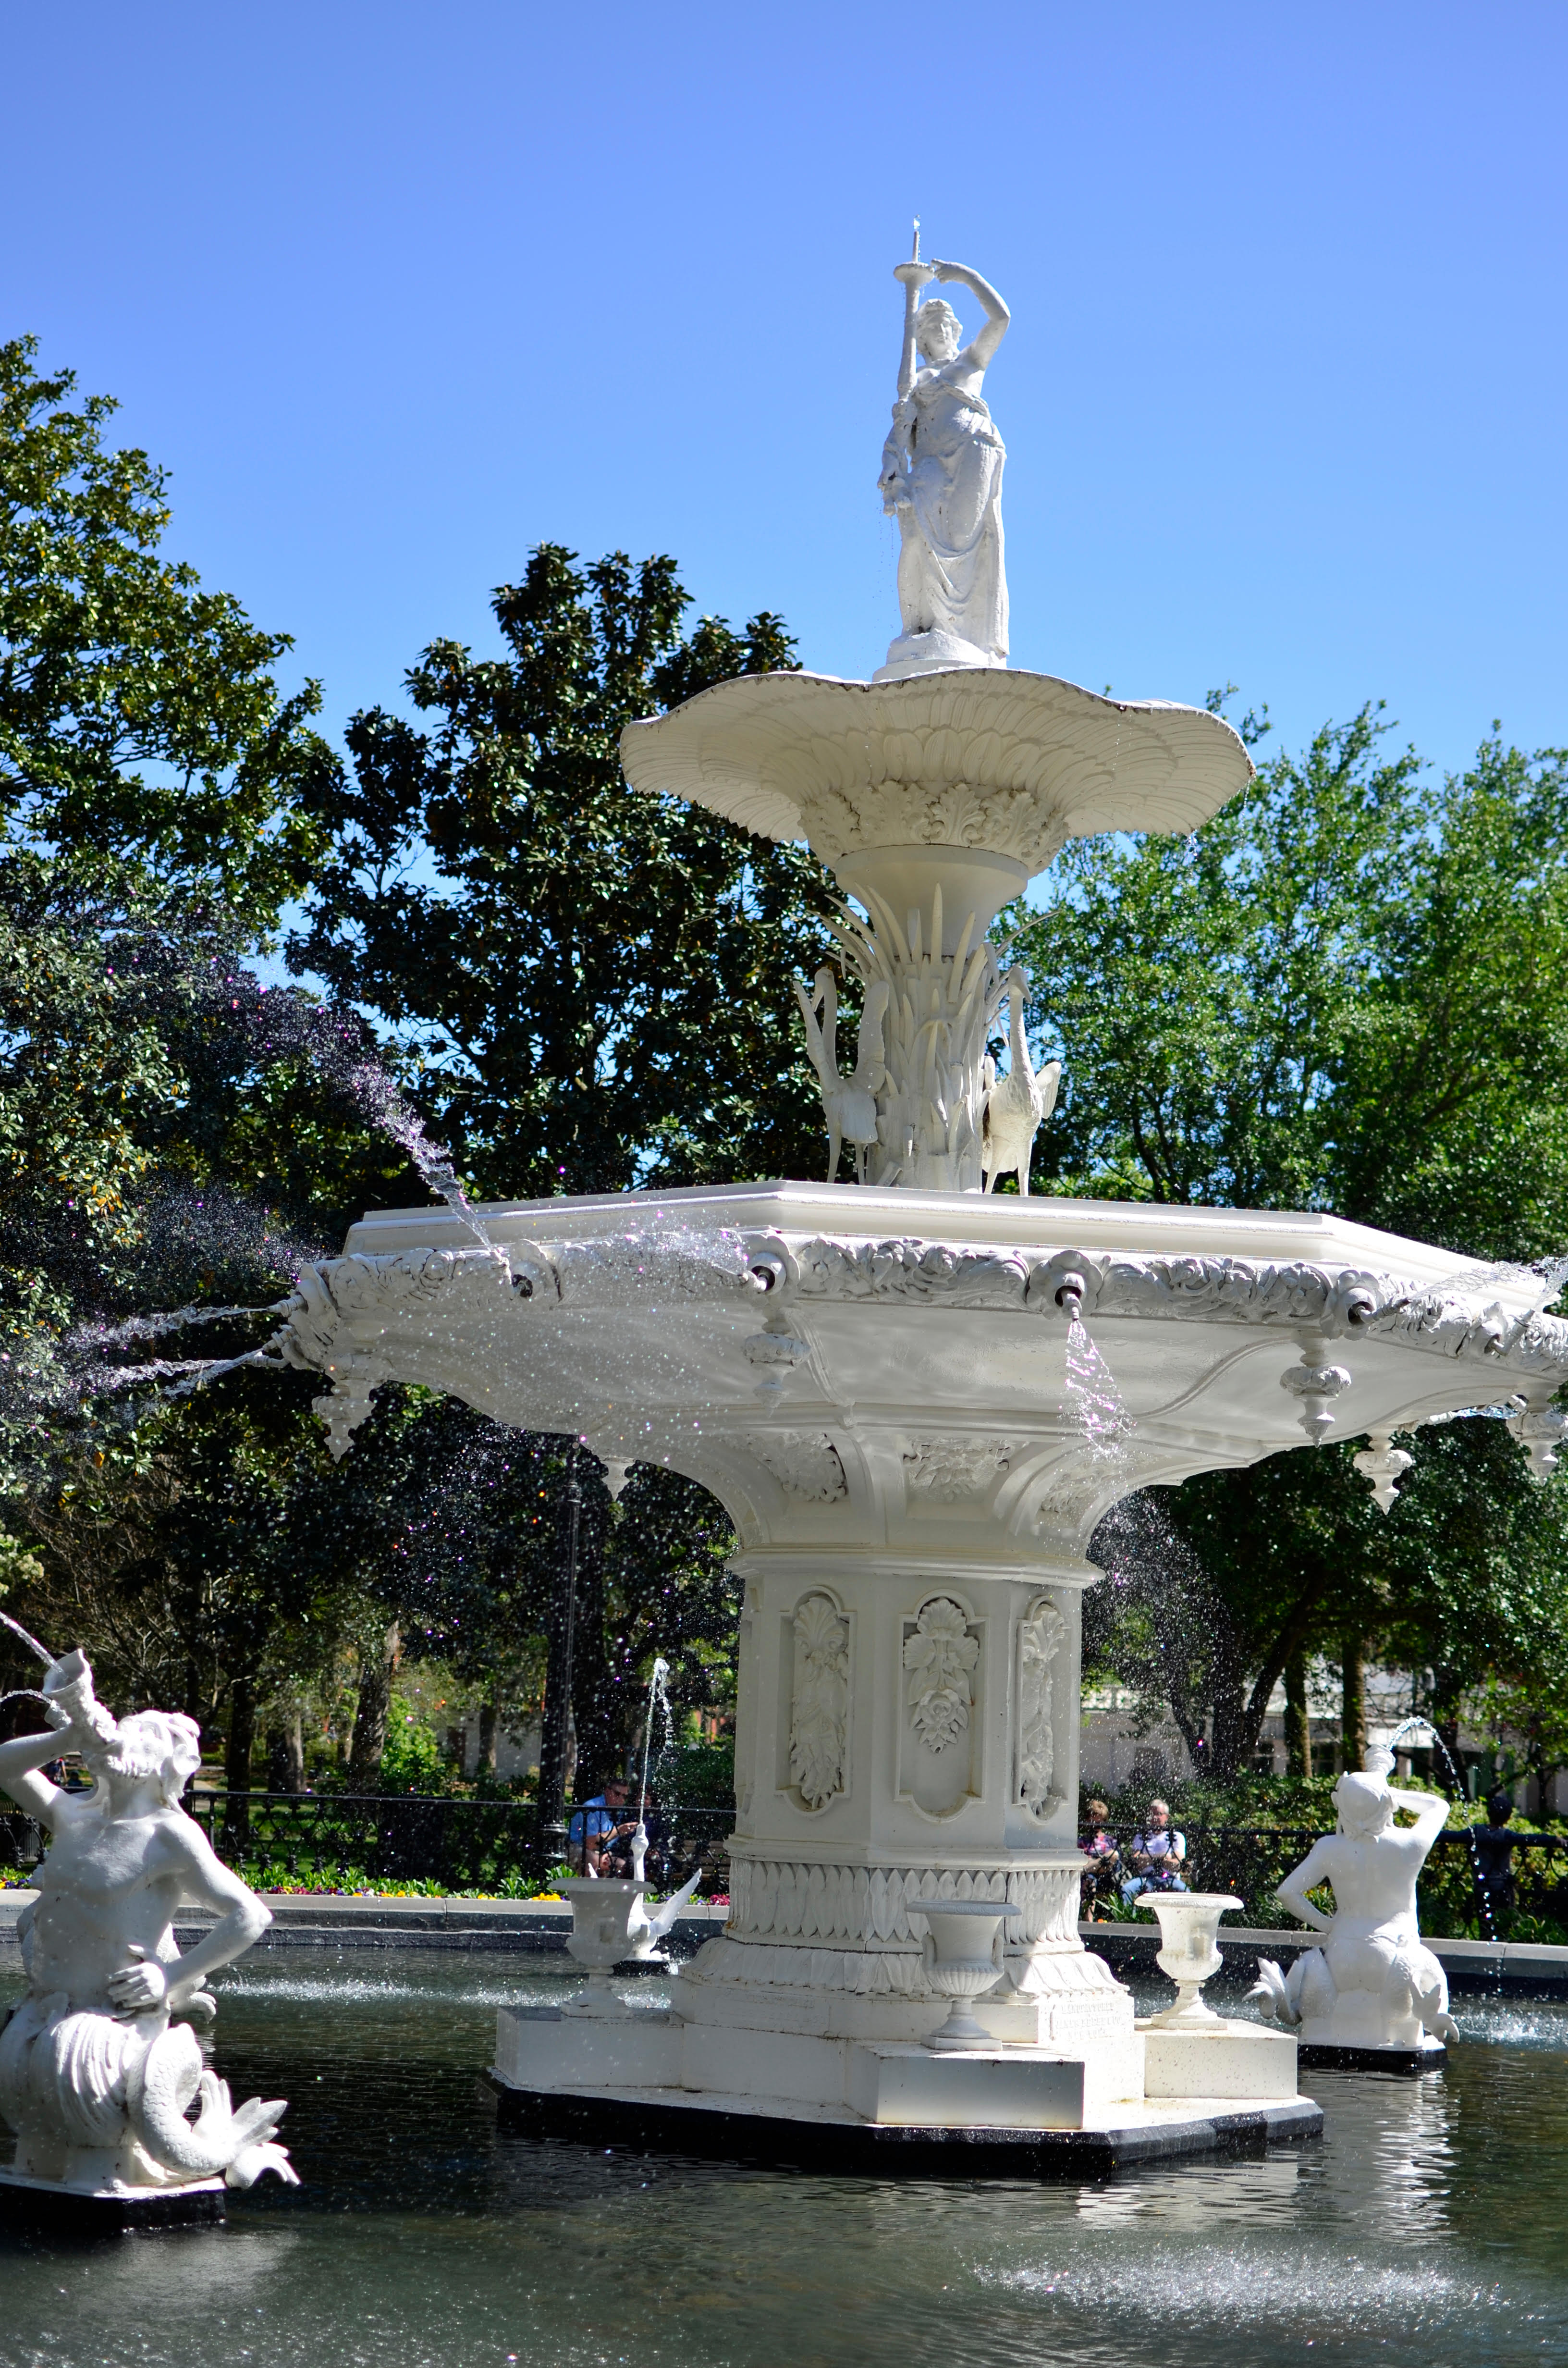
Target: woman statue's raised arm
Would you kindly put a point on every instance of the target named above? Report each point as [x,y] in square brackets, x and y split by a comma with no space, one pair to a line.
[987,339]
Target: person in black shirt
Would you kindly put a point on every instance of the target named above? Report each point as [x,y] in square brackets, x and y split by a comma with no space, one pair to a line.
[1494,1852]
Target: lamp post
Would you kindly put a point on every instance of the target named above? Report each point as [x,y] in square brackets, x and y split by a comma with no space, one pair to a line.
[554,1741]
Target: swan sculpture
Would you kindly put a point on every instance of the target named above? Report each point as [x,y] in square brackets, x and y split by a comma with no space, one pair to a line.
[1017,1105]
[849,1104]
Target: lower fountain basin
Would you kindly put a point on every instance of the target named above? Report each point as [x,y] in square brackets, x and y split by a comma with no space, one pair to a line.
[431,2228]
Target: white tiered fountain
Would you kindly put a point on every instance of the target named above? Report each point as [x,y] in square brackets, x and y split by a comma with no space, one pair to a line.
[875,1383]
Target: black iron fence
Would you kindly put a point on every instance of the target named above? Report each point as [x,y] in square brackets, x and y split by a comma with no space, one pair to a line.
[464,1844]
[349,1839]
[1251,1861]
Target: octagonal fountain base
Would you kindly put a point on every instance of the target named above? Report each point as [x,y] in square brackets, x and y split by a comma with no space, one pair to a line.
[652,2083]
[53,2203]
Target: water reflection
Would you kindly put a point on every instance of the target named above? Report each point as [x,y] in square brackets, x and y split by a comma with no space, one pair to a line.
[1246,2191]
[1392,2139]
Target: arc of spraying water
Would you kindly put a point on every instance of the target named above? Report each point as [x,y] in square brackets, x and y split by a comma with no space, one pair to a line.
[658,1691]
[27,1693]
[45,1656]
[1418,1726]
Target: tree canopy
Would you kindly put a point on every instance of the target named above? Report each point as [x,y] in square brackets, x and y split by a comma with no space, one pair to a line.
[594,984]
[1347,990]
[139,714]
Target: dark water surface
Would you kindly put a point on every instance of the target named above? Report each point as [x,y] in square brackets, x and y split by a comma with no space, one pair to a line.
[1429,2226]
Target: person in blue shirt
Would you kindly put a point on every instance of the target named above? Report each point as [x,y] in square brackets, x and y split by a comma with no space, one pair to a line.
[1156,1856]
[594,1831]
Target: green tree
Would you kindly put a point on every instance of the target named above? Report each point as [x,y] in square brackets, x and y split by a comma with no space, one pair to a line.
[596,984]
[1348,992]
[1213,1587]
[139,713]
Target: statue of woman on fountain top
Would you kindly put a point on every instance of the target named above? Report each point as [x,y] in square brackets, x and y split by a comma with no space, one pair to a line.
[942,479]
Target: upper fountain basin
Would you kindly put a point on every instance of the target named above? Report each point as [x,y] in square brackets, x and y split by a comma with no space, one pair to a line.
[972,780]
[890,1368]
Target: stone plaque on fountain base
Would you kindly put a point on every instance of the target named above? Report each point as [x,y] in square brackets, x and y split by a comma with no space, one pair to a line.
[105,2211]
[1008,2088]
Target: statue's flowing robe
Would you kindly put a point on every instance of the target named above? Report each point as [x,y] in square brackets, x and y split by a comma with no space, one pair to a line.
[944,457]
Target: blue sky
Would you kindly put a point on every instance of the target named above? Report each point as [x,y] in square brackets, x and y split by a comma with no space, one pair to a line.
[397,293]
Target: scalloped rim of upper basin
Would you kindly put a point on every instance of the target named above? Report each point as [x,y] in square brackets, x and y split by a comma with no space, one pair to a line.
[753,748]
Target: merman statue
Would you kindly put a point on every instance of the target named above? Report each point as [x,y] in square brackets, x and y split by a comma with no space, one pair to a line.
[96,2076]
[1372,1984]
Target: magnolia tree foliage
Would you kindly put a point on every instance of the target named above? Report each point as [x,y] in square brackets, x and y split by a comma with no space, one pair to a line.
[596,984]
[140,716]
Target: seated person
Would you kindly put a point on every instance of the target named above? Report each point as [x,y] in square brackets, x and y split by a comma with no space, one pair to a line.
[1155,1857]
[1100,1846]
[601,1830]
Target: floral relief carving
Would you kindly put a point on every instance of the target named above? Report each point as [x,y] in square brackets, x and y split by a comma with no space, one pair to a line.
[868,1908]
[951,1469]
[819,1708]
[1452,1320]
[804,1463]
[911,1269]
[940,1658]
[1040,1638]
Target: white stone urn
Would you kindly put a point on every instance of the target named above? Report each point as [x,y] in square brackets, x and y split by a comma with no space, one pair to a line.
[1189,1952]
[607,1925]
[962,1954]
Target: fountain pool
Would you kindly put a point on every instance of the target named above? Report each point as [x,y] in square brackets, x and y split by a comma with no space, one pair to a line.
[1426,2225]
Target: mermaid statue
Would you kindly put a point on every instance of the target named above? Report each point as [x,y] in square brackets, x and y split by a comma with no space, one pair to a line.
[97,2078]
[941,478]
[1373,1985]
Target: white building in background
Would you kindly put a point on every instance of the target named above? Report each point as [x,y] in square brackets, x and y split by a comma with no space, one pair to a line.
[1121,1747]
[1130,1740]
[516,1755]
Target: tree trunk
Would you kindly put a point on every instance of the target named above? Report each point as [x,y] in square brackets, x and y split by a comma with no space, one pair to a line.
[237,1758]
[1298,1718]
[603,1708]
[294,1749]
[489,1737]
[1353,1703]
[554,1777]
[242,1734]
[378,1669]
